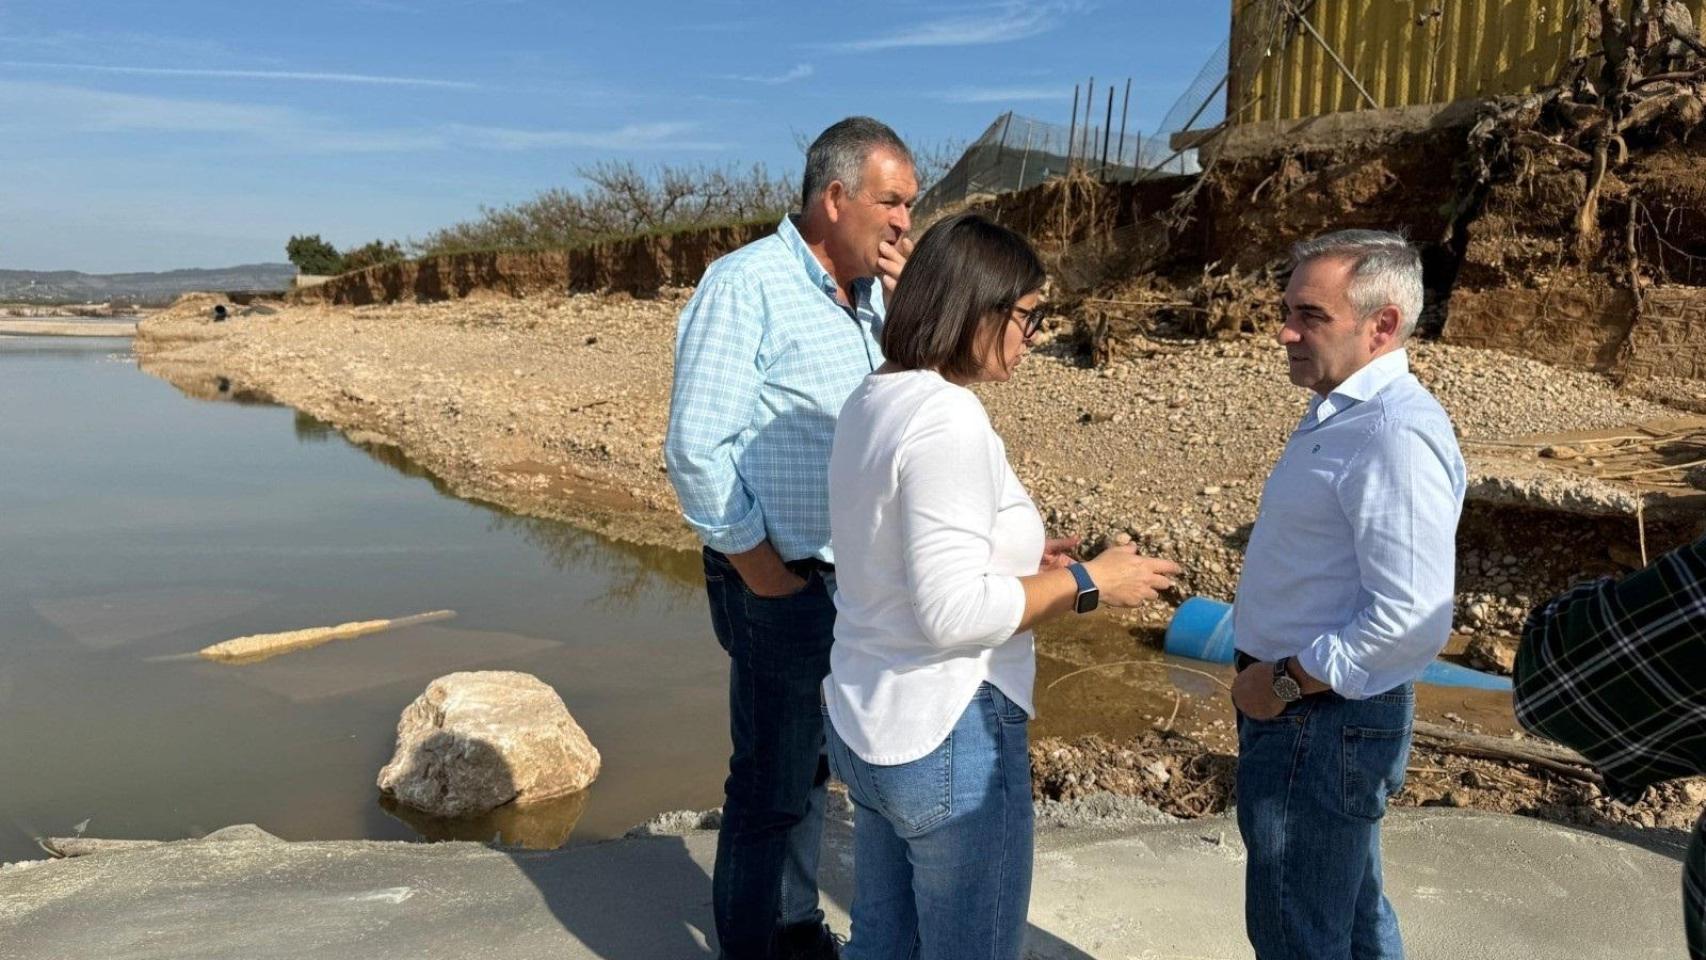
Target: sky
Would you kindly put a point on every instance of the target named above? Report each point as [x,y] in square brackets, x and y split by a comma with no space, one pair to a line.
[139,135]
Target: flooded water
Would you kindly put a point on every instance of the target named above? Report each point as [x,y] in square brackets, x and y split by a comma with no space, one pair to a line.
[138,525]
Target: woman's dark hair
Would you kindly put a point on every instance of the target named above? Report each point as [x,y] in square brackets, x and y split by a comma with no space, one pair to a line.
[965,275]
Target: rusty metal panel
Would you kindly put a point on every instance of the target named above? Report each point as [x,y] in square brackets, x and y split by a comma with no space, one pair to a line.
[1403,52]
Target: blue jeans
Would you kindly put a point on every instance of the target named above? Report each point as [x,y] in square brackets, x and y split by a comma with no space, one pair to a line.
[1312,787]
[942,845]
[765,876]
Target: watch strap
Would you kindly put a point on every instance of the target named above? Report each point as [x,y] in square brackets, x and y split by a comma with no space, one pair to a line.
[1082,576]
[1088,596]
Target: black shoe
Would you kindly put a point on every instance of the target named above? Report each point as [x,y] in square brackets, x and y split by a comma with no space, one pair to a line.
[808,941]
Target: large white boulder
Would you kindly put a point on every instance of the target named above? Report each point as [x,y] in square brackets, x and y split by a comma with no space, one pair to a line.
[475,741]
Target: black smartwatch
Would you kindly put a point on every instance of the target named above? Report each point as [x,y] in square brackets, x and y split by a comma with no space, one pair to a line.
[1285,687]
[1088,596]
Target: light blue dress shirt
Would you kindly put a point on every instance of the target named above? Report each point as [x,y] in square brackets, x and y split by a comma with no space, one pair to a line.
[1351,564]
[764,358]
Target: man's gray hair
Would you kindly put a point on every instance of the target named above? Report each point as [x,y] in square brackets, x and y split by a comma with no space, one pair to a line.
[1385,269]
[840,152]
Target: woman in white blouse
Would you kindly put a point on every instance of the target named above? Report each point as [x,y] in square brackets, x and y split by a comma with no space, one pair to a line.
[941,571]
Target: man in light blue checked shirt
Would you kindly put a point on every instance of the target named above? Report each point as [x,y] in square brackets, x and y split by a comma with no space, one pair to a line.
[773,341]
[1345,597]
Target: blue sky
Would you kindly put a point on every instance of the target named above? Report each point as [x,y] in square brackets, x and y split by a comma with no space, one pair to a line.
[158,135]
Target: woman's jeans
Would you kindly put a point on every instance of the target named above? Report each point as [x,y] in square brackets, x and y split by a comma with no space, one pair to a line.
[765,876]
[1312,787]
[942,845]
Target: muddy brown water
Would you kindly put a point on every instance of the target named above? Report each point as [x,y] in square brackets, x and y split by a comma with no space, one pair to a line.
[138,525]
[1100,677]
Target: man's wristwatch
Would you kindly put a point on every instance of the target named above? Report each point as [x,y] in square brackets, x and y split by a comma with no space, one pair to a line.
[1088,596]
[1285,687]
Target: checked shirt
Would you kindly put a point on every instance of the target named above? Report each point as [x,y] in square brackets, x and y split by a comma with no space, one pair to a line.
[1617,670]
[764,358]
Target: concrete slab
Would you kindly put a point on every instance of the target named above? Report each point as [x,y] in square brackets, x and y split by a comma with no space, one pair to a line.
[1467,886]
[1329,130]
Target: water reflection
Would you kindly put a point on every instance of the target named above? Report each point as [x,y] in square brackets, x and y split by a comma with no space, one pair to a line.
[110,348]
[636,573]
[537,826]
[145,525]
[311,429]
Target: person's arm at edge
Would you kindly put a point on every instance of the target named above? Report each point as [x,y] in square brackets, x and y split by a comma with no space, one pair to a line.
[949,471]
[951,516]
[715,391]
[1403,507]
[1595,625]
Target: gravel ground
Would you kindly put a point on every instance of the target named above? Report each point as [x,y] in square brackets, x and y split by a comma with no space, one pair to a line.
[1182,777]
[557,406]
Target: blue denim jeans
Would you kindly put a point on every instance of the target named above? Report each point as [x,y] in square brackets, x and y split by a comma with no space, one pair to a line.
[765,876]
[942,845]
[1312,788]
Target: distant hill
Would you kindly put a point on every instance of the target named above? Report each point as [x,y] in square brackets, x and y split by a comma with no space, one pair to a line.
[70,286]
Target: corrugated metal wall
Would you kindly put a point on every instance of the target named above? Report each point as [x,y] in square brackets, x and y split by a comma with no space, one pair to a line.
[1405,52]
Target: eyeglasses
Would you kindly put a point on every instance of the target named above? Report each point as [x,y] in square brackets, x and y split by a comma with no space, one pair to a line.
[1029,321]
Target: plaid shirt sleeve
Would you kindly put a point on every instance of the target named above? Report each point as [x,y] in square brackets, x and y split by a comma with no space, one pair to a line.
[1617,670]
[712,402]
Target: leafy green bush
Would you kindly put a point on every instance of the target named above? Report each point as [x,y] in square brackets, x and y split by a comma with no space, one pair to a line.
[313,255]
[372,254]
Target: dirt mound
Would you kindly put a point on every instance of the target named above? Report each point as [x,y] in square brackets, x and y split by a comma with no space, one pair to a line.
[1180,776]
[1565,225]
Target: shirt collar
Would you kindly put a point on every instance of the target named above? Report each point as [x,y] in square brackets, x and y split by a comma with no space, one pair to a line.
[820,278]
[1362,385]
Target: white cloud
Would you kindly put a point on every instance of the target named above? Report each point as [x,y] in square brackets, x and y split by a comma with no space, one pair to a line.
[999,23]
[1054,91]
[310,76]
[38,110]
[800,71]
[158,48]
[669,135]
[48,109]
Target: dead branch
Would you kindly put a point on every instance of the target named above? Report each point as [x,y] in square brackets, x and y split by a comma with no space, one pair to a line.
[1537,753]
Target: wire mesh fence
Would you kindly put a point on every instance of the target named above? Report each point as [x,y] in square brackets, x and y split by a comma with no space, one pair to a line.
[1102,141]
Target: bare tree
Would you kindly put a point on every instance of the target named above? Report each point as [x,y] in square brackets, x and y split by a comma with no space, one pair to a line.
[621,199]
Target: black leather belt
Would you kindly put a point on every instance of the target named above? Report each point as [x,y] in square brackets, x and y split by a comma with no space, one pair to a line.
[1241,660]
[810,565]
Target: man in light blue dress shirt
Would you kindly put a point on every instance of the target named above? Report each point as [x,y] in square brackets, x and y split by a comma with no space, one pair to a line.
[1346,596]
[773,341]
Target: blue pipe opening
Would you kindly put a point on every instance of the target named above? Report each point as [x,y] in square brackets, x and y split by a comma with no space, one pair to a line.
[1202,630]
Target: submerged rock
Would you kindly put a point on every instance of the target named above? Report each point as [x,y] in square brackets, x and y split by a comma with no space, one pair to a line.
[474,741]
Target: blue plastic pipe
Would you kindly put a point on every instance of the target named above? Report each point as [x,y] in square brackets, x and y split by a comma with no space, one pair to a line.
[1202,630]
